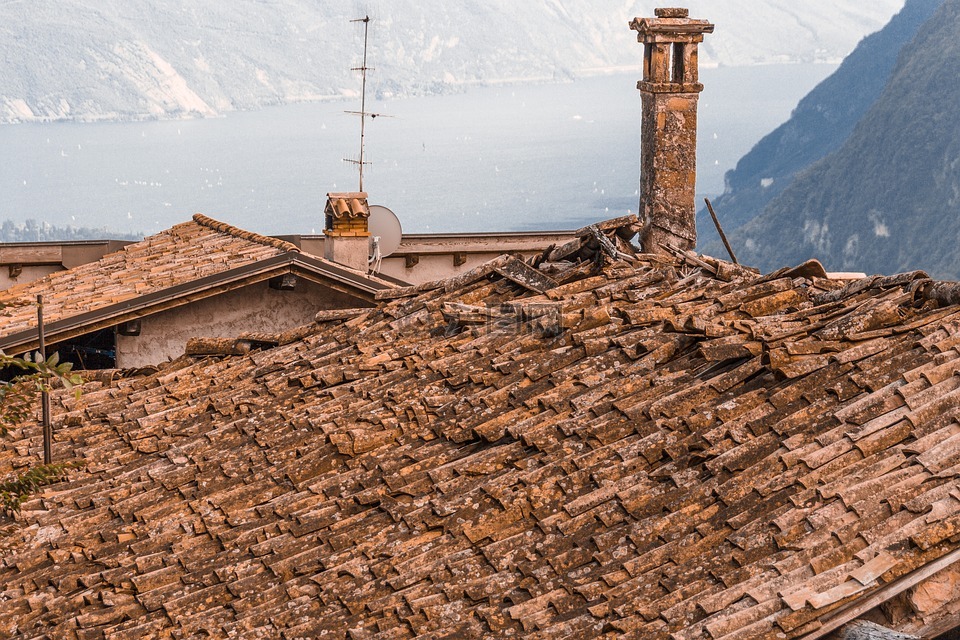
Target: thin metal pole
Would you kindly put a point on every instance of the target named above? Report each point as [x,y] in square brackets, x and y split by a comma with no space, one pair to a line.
[44,394]
[723,236]
[363,95]
[361,163]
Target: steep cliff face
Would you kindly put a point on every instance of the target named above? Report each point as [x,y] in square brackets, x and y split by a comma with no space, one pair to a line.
[116,59]
[819,125]
[888,199]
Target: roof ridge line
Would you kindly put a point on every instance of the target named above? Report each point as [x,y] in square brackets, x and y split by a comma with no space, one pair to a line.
[223,227]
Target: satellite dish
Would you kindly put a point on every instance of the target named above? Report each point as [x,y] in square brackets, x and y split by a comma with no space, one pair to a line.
[384,225]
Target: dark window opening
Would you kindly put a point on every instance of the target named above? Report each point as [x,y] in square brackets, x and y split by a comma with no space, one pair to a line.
[8,373]
[678,70]
[949,635]
[97,350]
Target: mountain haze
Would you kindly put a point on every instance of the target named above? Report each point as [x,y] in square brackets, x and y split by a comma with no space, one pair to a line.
[113,59]
[819,125]
[888,199]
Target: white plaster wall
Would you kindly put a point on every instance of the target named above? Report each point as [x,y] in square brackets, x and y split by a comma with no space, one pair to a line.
[436,252]
[256,308]
[437,267]
[29,274]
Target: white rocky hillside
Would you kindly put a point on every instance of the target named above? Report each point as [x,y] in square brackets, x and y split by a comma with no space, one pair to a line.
[122,59]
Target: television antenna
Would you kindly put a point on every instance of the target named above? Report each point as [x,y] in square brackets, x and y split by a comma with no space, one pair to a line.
[363,113]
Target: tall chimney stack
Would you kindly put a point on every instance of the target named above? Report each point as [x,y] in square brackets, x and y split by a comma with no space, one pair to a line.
[670,90]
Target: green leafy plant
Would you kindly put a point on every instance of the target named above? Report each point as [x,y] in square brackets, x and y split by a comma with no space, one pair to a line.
[18,397]
[18,401]
[14,492]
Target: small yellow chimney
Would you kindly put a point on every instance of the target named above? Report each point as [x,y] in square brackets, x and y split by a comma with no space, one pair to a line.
[347,230]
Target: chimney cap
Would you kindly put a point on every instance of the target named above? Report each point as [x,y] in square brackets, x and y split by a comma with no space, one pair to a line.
[667,12]
[666,27]
[346,205]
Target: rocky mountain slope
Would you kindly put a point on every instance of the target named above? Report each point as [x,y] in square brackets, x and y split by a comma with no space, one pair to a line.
[888,199]
[113,59]
[820,124]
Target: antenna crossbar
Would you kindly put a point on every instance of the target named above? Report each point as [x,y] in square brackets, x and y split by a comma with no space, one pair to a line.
[368,114]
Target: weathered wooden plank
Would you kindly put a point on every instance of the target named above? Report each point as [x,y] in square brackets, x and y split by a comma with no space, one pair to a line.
[854,610]
[566,250]
[478,273]
[606,225]
[525,275]
[863,630]
[940,627]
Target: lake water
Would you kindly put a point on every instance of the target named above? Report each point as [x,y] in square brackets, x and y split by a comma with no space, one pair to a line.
[492,158]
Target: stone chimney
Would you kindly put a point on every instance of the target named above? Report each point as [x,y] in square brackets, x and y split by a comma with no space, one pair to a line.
[346,230]
[670,90]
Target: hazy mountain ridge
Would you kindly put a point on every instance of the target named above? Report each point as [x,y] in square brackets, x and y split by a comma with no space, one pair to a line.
[819,125]
[86,60]
[888,199]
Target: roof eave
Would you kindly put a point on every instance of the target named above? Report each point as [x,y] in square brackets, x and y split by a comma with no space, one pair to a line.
[343,280]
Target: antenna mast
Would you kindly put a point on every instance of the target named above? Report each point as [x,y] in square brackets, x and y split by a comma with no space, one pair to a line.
[363,98]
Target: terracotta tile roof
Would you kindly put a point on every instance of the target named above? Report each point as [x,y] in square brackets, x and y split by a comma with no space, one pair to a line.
[195,251]
[183,253]
[572,451]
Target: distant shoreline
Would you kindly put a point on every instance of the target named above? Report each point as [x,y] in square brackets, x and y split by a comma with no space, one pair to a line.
[448,88]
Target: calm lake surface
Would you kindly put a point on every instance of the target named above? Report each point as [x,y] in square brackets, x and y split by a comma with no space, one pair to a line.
[492,158]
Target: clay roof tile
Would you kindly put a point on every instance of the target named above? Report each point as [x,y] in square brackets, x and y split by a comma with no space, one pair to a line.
[670,457]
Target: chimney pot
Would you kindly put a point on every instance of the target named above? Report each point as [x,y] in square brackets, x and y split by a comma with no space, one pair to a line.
[667,12]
